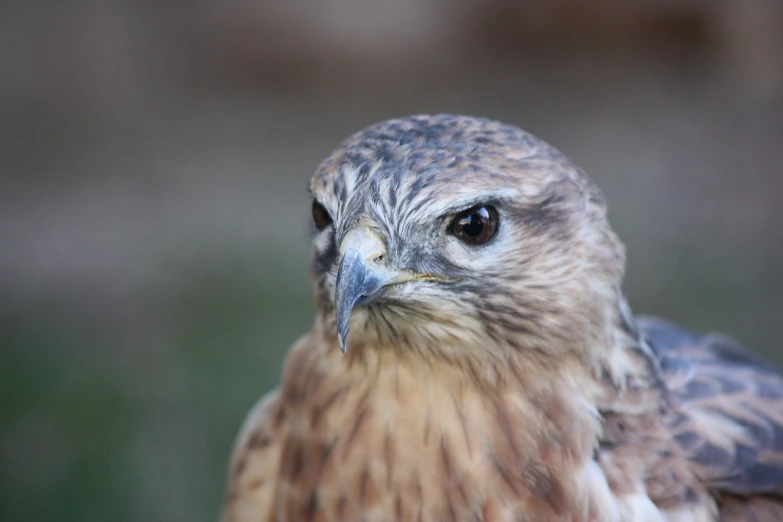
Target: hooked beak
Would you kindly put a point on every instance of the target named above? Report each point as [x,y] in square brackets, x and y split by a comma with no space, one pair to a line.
[361,276]
[358,283]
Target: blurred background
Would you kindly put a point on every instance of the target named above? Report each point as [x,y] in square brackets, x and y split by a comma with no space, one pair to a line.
[154,217]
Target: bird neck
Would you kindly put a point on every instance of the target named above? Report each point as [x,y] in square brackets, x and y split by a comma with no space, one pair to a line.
[626,373]
[605,372]
[603,338]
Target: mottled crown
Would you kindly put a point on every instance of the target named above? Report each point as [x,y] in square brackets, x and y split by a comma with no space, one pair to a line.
[441,149]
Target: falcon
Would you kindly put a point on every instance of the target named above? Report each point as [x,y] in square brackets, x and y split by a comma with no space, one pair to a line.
[473,356]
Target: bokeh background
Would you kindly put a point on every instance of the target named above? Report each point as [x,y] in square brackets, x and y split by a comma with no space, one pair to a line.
[154,217]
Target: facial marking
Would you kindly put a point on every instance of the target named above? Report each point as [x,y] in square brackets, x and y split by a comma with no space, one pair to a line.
[406,179]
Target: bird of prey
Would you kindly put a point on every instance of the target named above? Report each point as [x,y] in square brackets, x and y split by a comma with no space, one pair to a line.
[473,357]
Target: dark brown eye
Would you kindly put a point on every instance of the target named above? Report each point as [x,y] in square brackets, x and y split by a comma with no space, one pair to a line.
[321,217]
[476,225]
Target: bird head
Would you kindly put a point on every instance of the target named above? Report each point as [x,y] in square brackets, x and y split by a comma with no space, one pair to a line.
[454,235]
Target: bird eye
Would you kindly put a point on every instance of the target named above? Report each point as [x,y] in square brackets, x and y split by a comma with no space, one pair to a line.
[321,217]
[477,225]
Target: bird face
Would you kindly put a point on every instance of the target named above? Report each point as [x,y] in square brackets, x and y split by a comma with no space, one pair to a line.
[440,234]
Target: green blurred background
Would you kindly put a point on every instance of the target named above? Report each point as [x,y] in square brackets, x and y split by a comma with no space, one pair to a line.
[154,161]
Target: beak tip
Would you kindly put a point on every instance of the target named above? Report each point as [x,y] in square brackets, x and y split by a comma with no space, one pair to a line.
[343,326]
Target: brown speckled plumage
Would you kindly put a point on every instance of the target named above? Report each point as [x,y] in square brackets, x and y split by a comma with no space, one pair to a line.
[502,382]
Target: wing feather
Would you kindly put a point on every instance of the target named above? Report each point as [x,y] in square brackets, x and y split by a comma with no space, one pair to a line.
[754,509]
[729,403]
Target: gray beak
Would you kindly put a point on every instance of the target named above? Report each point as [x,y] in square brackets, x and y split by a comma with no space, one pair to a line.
[358,282]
